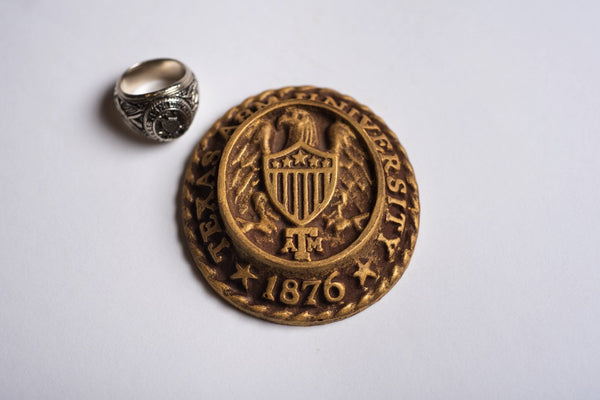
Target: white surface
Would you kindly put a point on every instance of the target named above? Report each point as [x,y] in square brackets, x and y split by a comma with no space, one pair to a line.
[497,104]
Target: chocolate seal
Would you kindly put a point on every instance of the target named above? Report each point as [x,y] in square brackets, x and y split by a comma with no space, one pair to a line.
[300,206]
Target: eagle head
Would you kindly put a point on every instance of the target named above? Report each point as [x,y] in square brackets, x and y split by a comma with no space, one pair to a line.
[300,125]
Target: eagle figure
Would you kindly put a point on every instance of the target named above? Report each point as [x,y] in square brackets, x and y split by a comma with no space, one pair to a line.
[300,125]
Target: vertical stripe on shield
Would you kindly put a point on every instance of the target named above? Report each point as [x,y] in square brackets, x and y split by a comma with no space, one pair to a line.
[304,178]
[294,206]
[315,191]
[284,188]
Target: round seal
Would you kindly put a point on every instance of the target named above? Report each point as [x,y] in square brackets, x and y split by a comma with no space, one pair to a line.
[300,206]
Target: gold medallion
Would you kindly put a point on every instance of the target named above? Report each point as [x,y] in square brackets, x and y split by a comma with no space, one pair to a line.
[300,206]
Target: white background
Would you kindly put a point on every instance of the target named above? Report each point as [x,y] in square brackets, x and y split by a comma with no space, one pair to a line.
[497,104]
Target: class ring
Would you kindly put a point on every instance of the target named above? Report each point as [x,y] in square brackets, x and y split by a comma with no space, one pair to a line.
[158,98]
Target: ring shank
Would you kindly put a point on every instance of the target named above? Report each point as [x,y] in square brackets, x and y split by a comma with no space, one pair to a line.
[166,72]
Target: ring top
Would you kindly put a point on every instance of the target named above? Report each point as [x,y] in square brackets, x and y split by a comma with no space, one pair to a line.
[153,76]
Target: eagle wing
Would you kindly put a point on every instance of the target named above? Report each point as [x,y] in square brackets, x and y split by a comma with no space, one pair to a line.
[247,164]
[354,171]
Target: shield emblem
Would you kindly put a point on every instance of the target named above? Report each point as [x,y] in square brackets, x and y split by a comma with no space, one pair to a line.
[300,181]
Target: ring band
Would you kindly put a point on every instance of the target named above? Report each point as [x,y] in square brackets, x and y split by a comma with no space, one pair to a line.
[158,98]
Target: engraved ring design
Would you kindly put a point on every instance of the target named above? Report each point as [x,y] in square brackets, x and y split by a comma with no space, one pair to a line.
[158,98]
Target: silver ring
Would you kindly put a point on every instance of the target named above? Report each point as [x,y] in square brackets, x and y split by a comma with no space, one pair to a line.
[158,98]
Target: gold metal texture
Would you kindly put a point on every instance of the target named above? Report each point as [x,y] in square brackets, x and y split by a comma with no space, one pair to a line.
[300,206]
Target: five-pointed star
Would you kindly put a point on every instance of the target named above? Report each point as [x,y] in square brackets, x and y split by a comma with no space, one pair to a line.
[364,271]
[300,157]
[244,274]
[276,164]
[314,161]
[287,162]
